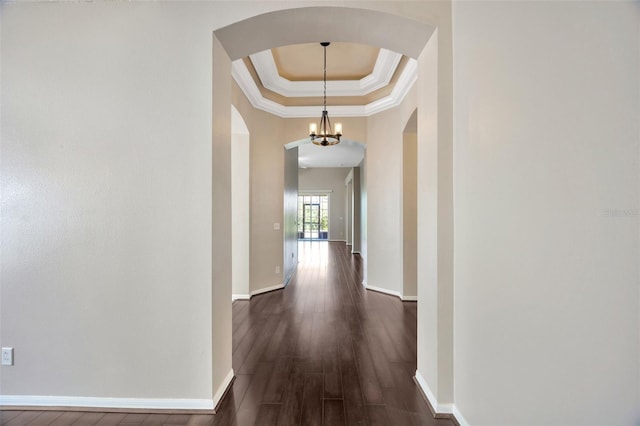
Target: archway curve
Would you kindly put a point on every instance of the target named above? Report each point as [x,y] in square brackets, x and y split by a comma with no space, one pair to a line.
[348,153]
[305,141]
[310,24]
[238,124]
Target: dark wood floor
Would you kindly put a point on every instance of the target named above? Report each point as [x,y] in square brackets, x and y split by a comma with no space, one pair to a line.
[323,351]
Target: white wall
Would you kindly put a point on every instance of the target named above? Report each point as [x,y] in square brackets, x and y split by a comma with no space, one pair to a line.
[546,220]
[332,179]
[221,224]
[363,217]
[115,208]
[106,202]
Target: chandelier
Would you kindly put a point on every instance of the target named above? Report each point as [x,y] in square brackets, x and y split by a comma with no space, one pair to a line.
[322,134]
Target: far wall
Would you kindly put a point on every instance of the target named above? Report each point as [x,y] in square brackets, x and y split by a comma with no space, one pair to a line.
[330,179]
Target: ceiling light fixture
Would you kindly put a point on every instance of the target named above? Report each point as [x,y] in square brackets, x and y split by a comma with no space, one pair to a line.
[323,134]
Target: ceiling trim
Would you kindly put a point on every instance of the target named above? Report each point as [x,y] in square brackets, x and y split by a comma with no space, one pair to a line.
[241,75]
[383,71]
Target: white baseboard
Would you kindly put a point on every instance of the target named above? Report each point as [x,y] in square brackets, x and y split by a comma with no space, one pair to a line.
[240,297]
[439,408]
[96,402]
[355,252]
[382,290]
[390,292]
[459,417]
[450,409]
[222,389]
[266,289]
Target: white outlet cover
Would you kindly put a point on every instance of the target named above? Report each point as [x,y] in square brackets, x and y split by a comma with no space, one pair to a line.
[276,226]
[7,356]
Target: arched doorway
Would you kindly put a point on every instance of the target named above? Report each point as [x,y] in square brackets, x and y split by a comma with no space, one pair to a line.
[415,39]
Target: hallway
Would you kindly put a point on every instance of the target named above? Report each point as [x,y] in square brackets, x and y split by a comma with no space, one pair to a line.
[325,351]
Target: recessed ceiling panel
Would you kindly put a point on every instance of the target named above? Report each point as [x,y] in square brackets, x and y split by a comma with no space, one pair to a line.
[345,61]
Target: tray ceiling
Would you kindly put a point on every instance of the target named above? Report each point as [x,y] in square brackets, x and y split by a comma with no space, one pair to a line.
[361,80]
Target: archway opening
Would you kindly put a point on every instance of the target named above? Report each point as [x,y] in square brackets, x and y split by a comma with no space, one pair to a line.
[259,33]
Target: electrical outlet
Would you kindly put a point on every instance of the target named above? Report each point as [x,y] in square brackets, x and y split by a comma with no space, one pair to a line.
[277,269]
[7,356]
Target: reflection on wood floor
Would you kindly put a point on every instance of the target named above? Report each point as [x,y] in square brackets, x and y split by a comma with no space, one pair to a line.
[323,351]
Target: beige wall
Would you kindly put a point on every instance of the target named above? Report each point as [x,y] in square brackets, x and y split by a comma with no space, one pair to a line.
[267,192]
[384,195]
[331,179]
[240,197]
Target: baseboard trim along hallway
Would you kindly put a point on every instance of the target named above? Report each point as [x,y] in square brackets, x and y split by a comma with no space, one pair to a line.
[390,292]
[222,390]
[266,290]
[444,411]
[240,297]
[79,403]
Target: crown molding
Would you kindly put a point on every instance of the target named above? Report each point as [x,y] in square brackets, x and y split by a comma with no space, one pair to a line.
[241,75]
[383,71]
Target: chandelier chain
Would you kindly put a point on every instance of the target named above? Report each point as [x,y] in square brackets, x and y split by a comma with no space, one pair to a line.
[322,134]
[325,78]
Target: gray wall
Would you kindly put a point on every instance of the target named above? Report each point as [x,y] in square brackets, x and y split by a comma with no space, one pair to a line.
[290,212]
[357,219]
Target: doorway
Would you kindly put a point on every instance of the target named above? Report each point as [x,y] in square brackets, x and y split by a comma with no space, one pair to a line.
[313,217]
[434,240]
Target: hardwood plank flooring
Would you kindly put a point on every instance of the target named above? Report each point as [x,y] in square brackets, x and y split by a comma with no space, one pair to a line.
[323,351]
